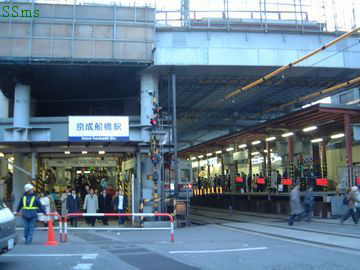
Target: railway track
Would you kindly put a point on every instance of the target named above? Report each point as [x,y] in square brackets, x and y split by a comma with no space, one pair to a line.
[284,232]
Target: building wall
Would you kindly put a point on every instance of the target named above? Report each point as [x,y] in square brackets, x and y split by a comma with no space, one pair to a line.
[80,32]
[241,48]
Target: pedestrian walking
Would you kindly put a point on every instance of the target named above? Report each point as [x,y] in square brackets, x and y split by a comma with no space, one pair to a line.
[63,199]
[351,200]
[308,203]
[91,205]
[120,205]
[73,206]
[29,205]
[105,205]
[295,205]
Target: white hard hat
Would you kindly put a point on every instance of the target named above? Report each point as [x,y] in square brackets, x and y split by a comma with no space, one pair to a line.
[28,187]
[354,188]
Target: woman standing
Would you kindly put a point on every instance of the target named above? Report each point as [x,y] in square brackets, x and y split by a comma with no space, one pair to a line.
[91,205]
[63,198]
[45,202]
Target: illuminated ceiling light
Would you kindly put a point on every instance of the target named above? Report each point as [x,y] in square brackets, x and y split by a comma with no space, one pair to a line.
[242,146]
[337,136]
[67,152]
[308,129]
[317,140]
[255,153]
[201,156]
[209,154]
[102,152]
[256,142]
[193,158]
[230,149]
[84,152]
[288,134]
[265,151]
[78,172]
[270,139]
[2,154]
[218,152]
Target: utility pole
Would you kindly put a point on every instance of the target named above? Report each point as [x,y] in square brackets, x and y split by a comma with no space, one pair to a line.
[173,77]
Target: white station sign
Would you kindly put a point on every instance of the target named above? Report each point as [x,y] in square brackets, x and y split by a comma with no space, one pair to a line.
[98,128]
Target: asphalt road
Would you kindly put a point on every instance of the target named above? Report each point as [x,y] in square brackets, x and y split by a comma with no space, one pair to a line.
[197,247]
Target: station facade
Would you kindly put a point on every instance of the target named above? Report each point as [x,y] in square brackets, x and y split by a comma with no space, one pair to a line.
[91,92]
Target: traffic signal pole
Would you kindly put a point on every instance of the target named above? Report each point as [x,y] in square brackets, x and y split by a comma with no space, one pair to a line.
[173,79]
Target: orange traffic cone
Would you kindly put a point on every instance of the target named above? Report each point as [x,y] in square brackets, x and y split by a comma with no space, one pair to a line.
[51,234]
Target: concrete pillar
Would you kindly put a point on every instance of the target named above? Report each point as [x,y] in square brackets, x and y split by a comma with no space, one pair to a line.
[250,189]
[323,159]
[3,174]
[149,90]
[4,113]
[348,144]
[268,156]
[291,158]
[22,103]
[19,179]
[4,105]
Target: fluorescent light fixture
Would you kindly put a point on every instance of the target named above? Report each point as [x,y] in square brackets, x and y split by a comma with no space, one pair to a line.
[270,139]
[317,140]
[265,151]
[67,152]
[230,149]
[201,156]
[193,158]
[242,146]
[78,172]
[308,129]
[256,142]
[337,136]
[218,152]
[102,152]
[255,153]
[84,152]
[87,172]
[209,154]
[288,134]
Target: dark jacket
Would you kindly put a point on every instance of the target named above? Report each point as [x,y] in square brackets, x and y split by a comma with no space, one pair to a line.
[28,214]
[105,204]
[73,205]
[116,203]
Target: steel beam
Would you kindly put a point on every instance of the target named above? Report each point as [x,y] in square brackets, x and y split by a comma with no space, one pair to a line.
[284,68]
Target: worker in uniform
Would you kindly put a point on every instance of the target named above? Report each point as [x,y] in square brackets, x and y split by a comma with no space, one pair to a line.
[29,205]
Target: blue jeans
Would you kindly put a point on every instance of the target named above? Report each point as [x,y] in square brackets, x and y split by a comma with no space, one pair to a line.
[29,226]
[122,218]
[308,211]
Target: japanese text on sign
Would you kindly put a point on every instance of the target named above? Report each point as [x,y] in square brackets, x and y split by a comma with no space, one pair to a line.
[98,128]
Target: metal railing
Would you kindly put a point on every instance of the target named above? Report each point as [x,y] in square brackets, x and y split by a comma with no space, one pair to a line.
[171,218]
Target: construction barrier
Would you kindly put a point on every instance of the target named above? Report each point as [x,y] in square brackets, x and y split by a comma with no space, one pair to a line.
[171,218]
